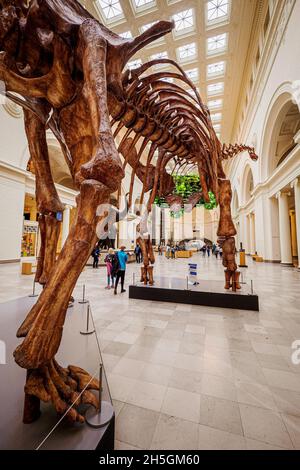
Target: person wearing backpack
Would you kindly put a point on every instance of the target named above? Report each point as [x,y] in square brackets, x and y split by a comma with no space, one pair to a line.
[110,261]
[95,255]
[122,259]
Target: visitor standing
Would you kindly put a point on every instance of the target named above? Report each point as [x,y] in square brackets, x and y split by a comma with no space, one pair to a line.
[203,249]
[208,250]
[95,255]
[168,249]
[110,261]
[137,252]
[122,259]
[173,250]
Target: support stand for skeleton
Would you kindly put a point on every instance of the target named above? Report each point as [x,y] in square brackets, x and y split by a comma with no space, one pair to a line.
[97,418]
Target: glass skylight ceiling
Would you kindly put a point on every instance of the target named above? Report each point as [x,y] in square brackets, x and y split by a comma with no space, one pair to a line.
[192,74]
[111,9]
[217,44]
[216,11]
[216,70]
[215,104]
[187,52]
[215,88]
[184,21]
[185,44]
[143,3]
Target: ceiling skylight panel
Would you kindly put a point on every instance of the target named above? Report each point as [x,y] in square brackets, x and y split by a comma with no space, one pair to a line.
[142,3]
[215,104]
[215,88]
[215,70]
[217,44]
[217,11]
[192,74]
[111,9]
[142,7]
[186,52]
[184,21]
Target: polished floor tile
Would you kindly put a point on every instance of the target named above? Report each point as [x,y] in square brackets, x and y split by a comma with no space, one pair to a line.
[215,439]
[264,425]
[173,433]
[182,404]
[220,414]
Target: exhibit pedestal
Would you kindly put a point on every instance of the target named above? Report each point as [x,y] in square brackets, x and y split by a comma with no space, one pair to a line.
[48,432]
[210,293]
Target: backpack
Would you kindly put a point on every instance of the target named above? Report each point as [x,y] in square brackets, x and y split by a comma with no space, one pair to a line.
[115,265]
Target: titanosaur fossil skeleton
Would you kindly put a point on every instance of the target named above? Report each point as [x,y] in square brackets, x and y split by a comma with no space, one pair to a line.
[68,72]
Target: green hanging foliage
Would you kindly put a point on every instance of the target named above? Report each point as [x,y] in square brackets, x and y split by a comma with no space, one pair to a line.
[185,186]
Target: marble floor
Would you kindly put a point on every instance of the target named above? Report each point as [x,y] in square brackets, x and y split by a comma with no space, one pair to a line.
[191,377]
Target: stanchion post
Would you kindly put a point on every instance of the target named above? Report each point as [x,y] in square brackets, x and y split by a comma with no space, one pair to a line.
[33,290]
[87,331]
[83,301]
[100,387]
[97,418]
[251,287]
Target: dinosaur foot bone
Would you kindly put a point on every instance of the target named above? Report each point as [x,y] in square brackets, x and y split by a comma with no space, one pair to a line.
[63,387]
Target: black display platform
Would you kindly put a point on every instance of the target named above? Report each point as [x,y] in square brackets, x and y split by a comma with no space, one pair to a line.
[75,349]
[207,293]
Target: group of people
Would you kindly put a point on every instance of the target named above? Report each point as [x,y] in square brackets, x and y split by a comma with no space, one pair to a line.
[217,251]
[214,249]
[206,250]
[115,266]
[171,251]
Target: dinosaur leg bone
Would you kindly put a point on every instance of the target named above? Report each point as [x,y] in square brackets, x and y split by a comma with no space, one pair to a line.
[44,336]
[226,232]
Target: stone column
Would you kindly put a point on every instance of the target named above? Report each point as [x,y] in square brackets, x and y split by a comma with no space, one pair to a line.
[284,229]
[65,225]
[296,186]
[252,233]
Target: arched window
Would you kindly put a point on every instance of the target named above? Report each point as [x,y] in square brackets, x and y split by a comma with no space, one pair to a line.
[281,126]
[235,204]
[248,184]
[289,127]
